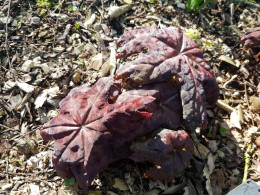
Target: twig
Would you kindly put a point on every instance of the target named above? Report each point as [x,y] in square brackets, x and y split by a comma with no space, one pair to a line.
[58,7]
[229,81]
[56,23]
[22,136]
[224,106]
[246,96]
[7,128]
[6,35]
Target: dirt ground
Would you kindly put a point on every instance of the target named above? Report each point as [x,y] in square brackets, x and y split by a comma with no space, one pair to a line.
[49,47]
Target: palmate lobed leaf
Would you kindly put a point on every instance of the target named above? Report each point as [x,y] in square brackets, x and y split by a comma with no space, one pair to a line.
[164,54]
[89,132]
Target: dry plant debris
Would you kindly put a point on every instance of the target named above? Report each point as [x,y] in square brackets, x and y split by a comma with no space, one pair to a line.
[46,50]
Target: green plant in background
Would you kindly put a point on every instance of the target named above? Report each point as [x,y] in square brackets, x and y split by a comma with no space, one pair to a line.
[72,8]
[46,3]
[23,9]
[197,5]
[193,34]
[77,25]
[209,135]
[43,12]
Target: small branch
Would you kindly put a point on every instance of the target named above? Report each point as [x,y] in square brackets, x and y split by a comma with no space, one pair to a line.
[246,96]
[224,106]
[229,81]
[6,36]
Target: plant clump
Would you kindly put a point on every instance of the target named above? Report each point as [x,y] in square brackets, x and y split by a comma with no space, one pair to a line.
[167,86]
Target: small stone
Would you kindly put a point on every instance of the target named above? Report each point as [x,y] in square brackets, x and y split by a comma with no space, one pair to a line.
[181,5]
[115,11]
[35,20]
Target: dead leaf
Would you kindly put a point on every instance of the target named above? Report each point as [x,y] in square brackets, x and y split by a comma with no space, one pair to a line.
[208,169]
[96,61]
[236,117]
[120,184]
[116,11]
[200,150]
[41,98]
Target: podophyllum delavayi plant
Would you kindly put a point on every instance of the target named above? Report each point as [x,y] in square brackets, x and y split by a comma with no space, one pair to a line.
[165,88]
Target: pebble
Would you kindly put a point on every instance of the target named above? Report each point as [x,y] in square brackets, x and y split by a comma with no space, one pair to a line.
[35,20]
[181,5]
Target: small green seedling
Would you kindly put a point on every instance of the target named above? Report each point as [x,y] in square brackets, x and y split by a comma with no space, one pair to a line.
[72,8]
[196,5]
[77,26]
[69,181]
[223,131]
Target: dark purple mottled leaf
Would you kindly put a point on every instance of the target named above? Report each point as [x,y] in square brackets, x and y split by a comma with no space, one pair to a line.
[89,132]
[166,54]
[169,150]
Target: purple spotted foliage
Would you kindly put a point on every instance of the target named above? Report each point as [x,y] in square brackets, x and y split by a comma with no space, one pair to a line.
[167,86]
